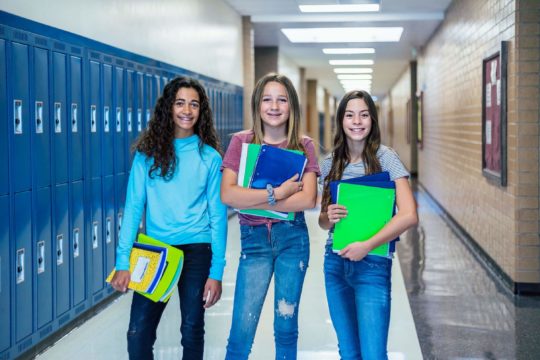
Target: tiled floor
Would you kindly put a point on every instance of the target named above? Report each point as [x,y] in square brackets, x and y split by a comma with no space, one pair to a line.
[459,311]
[103,336]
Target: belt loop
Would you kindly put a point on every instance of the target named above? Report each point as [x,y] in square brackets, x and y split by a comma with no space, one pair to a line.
[269,227]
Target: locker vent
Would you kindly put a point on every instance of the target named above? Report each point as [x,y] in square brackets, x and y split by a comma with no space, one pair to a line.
[5,356]
[59,46]
[130,64]
[119,62]
[107,59]
[25,344]
[2,30]
[45,331]
[80,309]
[75,50]
[64,319]
[98,297]
[41,41]
[95,55]
[20,36]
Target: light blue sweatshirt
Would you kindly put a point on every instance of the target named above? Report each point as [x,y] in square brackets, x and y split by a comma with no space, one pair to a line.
[184,210]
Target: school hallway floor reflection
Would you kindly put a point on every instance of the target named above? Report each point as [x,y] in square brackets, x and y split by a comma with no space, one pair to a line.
[104,336]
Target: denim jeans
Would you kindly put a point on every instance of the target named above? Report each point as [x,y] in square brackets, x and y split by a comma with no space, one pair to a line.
[358,294]
[282,250]
[145,314]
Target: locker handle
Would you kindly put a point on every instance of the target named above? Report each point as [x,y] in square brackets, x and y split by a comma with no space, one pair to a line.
[93,118]
[118,119]
[59,249]
[57,117]
[41,257]
[76,243]
[106,119]
[95,235]
[39,117]
[74,117]
[17,117]
[130,115]
[20,266]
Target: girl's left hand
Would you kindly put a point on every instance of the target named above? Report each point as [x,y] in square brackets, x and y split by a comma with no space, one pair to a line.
[211,292]
[355,251]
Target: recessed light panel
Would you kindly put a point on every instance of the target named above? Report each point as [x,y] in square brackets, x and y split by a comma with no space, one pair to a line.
[339,8]
[343,34]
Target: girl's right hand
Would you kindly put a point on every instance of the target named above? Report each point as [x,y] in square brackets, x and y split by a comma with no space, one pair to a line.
[120,280]
[288,188]
[336,213]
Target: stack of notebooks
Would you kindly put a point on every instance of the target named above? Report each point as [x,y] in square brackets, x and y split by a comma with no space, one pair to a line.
[155,268]
[371,203]
[261,165]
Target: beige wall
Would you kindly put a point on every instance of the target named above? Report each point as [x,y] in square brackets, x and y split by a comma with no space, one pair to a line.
[502,220]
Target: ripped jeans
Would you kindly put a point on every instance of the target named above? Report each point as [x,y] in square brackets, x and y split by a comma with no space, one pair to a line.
[282,250]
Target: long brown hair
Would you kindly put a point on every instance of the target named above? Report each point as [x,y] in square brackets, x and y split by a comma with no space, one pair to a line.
[157,141]
[293,124]
[340,154]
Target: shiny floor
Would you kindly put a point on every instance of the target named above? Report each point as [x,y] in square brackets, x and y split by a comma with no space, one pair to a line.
[444,306]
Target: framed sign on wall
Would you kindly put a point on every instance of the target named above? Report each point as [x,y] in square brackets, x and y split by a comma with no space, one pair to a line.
[494,137]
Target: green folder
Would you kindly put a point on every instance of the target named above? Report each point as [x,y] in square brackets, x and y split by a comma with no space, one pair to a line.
[171,275]
[250,154]
[369,209]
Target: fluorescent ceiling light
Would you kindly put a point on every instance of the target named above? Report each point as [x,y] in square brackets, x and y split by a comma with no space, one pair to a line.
[339,8]
[353,70]
[355,82]
[343,34]
[343,51]
[354,77]
[350,62]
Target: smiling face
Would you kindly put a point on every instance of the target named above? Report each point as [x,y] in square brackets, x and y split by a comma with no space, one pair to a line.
[274,105]
[185,112]
[356,121]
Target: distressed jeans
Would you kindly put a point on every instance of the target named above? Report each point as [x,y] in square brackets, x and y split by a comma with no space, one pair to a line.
[281,250]
[146,314]
[358,294]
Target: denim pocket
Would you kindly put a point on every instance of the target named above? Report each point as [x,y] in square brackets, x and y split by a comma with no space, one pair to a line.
[375,261]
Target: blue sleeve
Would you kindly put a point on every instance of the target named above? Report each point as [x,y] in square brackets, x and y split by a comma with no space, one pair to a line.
[217,213]
[133,210]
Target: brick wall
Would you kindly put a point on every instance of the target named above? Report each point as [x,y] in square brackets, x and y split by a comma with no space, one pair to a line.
[504,221]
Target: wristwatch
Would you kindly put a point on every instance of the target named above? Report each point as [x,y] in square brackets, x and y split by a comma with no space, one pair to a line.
[271,197]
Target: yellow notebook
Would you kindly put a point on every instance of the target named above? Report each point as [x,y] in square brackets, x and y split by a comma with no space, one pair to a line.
[146,267]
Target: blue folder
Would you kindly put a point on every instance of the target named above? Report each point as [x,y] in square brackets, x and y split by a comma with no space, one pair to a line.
[380,179]
[274,166]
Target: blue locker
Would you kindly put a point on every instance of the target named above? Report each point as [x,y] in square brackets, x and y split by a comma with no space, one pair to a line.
[139,104]
[20,122]
[108,128]
[148,102]
[96,237]
[94,123]
[41,149]
[78,250]
[119,139]
[59,115]
[62,253]
[22,269]
[156,90]
[120,186]
[76,153]
[43,264]
[130,103]
[5,272]
[4,180]
[109,221]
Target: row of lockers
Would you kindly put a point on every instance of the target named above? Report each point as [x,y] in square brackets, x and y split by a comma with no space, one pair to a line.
[71,111]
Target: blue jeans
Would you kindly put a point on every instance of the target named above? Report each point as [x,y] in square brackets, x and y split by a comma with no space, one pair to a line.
[358,295]
[145,314]
[282,250]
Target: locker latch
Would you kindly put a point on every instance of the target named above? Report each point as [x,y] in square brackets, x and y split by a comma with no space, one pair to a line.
[20,266]
[147,117]
[60,249]
[108,229]
[106,119]
[17,117]
[74,118]
[93,118]
[139,120]
[76,243]
[119,225]
[57,117]
[118,119]
[95,235]
[39,117]
[41,257]
[129,114]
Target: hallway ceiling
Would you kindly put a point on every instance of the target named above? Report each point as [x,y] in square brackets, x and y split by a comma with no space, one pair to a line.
[419,19]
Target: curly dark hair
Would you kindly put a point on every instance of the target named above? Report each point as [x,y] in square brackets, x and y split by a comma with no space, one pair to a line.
[341,156]
[157,141]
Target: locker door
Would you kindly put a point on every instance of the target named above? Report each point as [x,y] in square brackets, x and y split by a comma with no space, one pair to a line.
[119,140]
[23,264]
[130,78]
[78,250]
[41,150]
[109,223]
[139,104]
[5,271]
[59,126]
[62,251]
[76,153]
[20,122]
[120,196]
[4,184]
[94,123]
[43,257]
[108,128]
[148,104]
[96,237]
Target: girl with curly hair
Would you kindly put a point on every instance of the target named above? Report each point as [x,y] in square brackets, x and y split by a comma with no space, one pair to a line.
[176,175]
[270,247]
[358,284]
